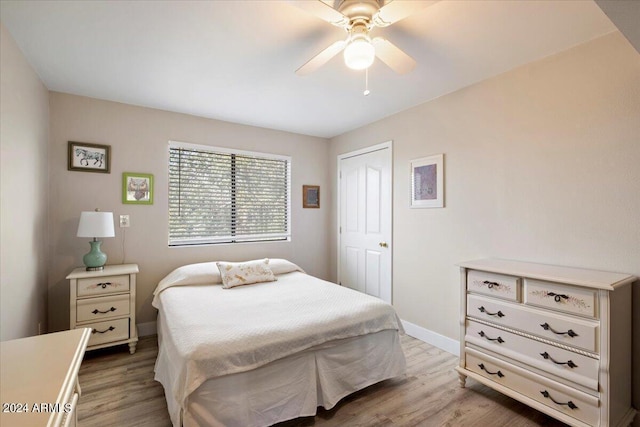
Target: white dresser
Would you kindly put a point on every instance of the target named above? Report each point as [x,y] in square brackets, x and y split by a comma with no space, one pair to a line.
[555,338]
[105,301]
[39,375]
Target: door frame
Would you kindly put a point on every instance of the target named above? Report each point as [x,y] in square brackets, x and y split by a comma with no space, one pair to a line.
[365,150]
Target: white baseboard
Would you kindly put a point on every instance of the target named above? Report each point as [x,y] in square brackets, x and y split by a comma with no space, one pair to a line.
[146,329]
[445,343]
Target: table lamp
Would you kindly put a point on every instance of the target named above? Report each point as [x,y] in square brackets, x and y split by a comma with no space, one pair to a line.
[95,224]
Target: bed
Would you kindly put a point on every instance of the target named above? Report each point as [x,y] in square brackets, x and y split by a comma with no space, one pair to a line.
[267,352]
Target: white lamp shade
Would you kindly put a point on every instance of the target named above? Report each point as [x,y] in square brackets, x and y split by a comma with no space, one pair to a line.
[359,54]
[96,224]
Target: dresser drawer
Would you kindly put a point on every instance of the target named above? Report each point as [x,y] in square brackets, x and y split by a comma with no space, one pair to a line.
[100,308]
[103,285]
[566,364]
[571,402]
[108,331]
[569,299]
[497,285]
[575,332]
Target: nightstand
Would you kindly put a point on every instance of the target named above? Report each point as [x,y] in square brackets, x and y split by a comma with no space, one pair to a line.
[105,302]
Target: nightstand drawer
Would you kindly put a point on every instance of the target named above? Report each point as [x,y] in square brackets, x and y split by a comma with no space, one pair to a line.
[103,285]
[92,309]
[107,331]
[496,285]
[569,299]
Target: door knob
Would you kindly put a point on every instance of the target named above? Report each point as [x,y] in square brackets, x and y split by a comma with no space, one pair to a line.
[383,244]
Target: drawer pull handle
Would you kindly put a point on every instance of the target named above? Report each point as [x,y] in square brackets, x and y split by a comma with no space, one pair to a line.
[557,297]
[484,310]
[104,285]
[111,328]
[498,373]
[570,332]
[570,404]
[96,311]
[483,335]
[491,284]
[569,363]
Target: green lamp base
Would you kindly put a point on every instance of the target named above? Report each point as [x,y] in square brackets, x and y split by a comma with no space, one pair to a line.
[95,259]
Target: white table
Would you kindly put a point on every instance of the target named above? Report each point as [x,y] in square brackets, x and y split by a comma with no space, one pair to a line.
[39,378]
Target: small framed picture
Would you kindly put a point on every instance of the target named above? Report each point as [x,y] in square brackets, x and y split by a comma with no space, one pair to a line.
[86,157]
[427,182]
[137,188]
[310,196]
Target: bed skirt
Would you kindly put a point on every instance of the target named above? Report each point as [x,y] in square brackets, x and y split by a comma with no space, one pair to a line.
[288,388]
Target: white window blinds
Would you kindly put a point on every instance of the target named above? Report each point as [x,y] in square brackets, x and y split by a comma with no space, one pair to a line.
[218,195]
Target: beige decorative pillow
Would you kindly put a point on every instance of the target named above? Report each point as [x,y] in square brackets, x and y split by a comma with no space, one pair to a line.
[245,273]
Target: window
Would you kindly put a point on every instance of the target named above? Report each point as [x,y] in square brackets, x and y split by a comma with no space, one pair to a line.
[217,195]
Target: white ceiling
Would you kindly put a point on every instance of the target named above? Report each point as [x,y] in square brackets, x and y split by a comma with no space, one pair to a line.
[235,60]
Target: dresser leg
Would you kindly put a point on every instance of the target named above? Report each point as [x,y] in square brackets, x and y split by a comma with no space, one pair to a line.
[132,347]
[462,379]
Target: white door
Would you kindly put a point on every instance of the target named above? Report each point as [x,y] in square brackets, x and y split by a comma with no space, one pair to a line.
[365,221]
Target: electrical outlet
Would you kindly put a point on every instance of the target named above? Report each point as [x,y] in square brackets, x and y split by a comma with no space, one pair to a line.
[124,221]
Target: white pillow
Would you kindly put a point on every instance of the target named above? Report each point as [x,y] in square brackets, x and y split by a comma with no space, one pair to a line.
[245,273]
[281,266]
[203,273]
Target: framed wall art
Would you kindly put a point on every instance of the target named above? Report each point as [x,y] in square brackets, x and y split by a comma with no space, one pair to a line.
[137,188]
[427,182]
[86,157]
[310,196]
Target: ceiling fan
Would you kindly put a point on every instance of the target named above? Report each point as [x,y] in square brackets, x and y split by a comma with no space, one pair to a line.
[358,17]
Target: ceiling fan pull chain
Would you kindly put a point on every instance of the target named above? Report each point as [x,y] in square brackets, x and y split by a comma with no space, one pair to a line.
[366,82]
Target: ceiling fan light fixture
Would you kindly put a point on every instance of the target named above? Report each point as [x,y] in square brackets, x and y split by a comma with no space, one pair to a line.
[359,54]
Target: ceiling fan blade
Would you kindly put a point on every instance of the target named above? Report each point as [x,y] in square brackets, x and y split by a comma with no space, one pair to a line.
[397,10]
[391,55]
[322,58]
[322,11]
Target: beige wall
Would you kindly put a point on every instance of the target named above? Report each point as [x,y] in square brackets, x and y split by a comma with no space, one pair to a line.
[24,133]
[139,143]
[542,163]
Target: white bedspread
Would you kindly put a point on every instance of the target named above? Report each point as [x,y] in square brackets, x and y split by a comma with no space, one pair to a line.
[215,331]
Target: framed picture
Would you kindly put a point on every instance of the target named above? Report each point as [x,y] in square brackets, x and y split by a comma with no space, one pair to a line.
[427,182]
[310,196]
[87,157]
[137,188]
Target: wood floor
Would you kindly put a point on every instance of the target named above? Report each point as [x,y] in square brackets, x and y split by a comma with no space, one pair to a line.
[118,390]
